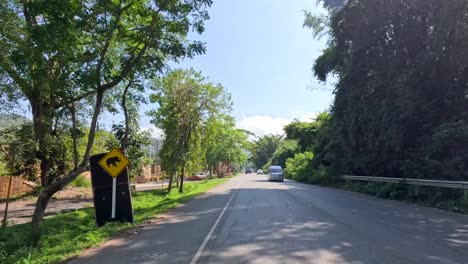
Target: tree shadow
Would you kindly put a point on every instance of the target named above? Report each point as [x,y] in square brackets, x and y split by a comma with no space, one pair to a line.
[293,223]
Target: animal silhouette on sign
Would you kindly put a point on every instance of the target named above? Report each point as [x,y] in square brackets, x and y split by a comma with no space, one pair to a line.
[112,161]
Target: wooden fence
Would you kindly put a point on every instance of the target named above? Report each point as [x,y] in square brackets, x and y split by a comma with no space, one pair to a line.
[18,186]
[149,173]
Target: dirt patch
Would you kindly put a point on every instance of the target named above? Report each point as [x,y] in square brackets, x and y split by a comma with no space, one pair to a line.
[74,192]
[67,200]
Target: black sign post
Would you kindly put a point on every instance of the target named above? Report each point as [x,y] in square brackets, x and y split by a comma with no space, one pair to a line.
[102,183]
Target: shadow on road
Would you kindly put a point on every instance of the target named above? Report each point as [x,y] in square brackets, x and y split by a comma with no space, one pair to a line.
[294,223]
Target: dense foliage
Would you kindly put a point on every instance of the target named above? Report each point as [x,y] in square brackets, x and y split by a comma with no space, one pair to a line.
[188,104]
[286,149]
[263,149]
[67,59]
[401,100]
[400,107]
[224,142]
[310,162]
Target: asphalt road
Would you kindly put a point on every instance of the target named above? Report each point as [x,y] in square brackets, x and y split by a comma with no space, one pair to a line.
[251,220]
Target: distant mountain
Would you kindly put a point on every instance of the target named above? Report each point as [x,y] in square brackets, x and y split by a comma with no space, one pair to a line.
[8,120]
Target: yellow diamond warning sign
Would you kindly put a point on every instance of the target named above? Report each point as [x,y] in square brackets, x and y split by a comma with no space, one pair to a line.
[114,162]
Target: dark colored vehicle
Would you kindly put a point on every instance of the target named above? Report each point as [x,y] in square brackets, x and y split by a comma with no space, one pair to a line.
[248,170]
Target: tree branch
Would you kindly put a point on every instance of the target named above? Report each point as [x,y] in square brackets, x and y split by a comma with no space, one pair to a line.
[110,35]
[134,58]
[75,147]
[92,129]
[6,65]
[78,98]
[124,106]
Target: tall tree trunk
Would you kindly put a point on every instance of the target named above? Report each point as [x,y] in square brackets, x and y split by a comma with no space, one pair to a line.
[181,188]
[44,197]
[125,110]
[169,186]
[47,192]
[42,126]
[74,134]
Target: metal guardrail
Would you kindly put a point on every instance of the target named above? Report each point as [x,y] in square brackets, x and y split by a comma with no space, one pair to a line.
[434,183]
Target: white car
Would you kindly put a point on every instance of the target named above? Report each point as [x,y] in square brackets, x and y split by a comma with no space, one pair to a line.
[275,173]
[259,172]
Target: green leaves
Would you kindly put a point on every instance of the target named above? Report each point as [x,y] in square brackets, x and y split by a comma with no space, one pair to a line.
[264,148]
[224,142]
[187,103]
[318,23]
[400,105]
[325,64]
[57,54]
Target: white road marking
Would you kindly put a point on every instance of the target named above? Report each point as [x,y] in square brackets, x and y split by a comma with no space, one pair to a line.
[207,238]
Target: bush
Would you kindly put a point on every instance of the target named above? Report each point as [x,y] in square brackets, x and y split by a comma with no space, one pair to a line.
[266,167]
[321,175]
[298,168]
[302,168]
[3,168]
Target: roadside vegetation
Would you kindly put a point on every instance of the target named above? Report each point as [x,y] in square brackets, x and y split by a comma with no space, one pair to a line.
[66,235]
[400,108]
[74,64]
[204,133]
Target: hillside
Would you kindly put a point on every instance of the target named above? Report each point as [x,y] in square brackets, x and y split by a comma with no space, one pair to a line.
[8,120]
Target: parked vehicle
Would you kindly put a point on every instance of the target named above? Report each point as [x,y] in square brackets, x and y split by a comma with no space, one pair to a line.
[275,173]
[248,170]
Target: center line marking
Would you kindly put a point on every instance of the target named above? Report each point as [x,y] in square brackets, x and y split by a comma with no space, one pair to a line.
[207,238]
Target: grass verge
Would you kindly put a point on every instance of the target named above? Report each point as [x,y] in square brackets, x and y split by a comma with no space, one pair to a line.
[453,200]
[66,235]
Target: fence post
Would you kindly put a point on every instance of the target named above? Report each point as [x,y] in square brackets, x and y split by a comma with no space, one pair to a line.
[5,215]
[11,157]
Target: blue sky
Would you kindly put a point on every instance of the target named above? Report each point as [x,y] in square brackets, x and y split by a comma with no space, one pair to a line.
[259,51]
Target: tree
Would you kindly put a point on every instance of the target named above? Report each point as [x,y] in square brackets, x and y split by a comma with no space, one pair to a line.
[186,101]
[264,148]
[401,101]
[299,166]
[286,149]
[133,145]
[78,52]
[130,138]
[224,142]
[19,135]
[310,150]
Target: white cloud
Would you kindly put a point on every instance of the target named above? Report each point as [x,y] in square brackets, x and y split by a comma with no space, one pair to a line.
[262,125]
[304,116]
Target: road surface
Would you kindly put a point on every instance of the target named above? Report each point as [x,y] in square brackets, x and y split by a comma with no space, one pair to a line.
[251,220]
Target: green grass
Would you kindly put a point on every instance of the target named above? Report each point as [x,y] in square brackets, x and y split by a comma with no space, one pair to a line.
[66,235]
[453,200]
[3,168]
[80,181]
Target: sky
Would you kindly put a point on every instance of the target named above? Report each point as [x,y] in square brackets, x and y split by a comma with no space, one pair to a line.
[261,53]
